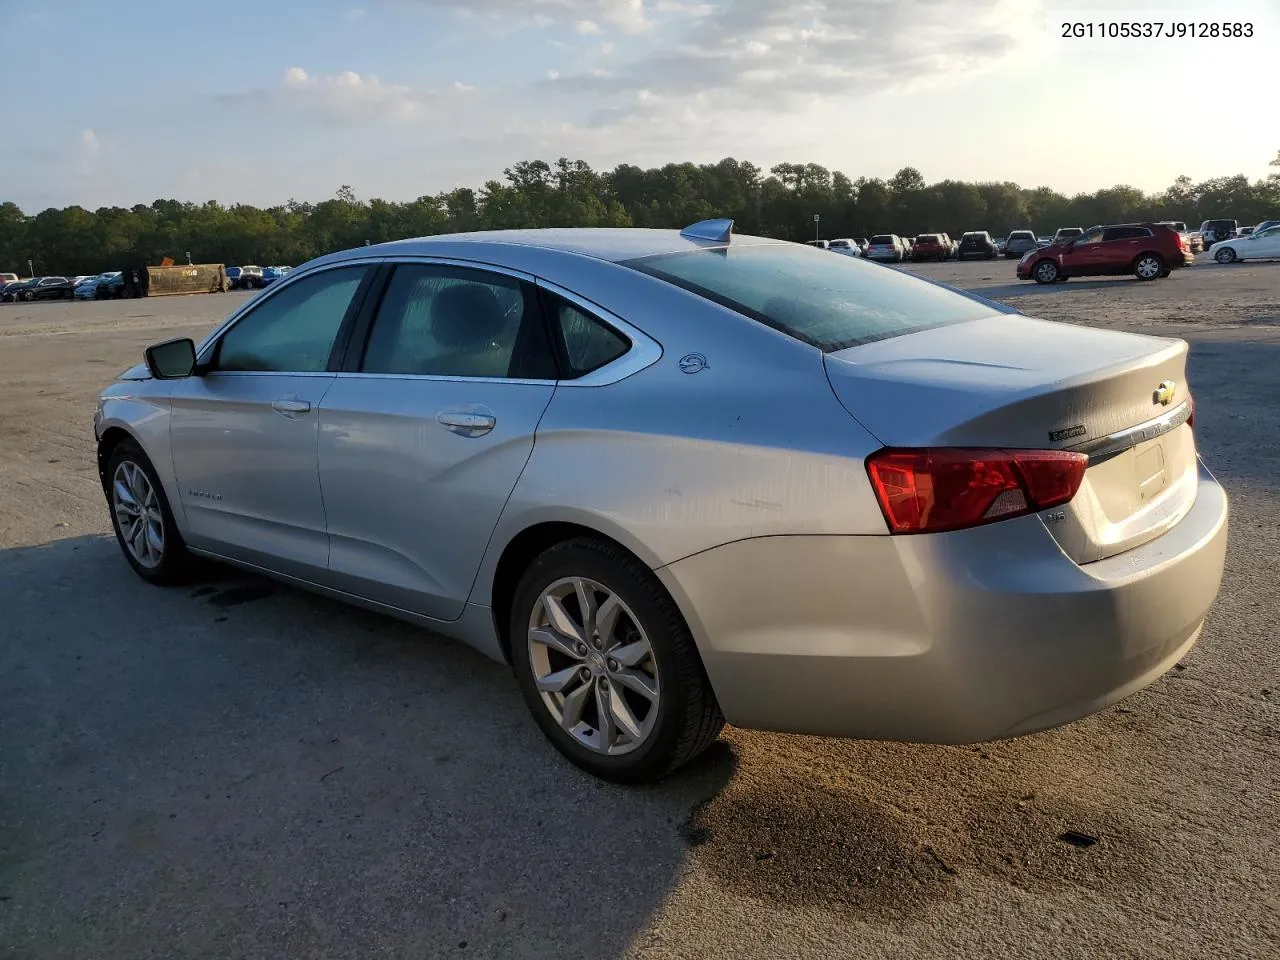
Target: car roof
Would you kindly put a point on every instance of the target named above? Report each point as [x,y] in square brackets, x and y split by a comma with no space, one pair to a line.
[614,244]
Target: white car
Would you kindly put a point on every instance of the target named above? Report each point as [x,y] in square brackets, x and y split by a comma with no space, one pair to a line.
[886,246]
[845,246]
[1259,245]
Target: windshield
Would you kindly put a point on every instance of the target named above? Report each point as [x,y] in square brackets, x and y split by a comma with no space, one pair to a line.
[829,302]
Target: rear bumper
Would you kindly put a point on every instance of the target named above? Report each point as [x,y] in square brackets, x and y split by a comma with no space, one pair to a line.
[937,638]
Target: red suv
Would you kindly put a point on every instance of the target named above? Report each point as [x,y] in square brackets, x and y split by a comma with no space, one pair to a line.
[1147,250]
[930,246]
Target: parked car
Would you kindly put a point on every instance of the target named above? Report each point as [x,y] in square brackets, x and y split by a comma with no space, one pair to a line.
[112,288]
[89,289]
[886,247]
[9,292]
[908,247]
[1244,231]
[1044,241]
[930,246]
[271,274]
[1266,225]
[977,243]
[47,288]
[846,246]
[955,568]
[245,278]
[1147,250]
[862,244]
[1000,242]
[820,244]
[1215,230]
[1259,245]
[8,278]
[1019,243]
[1066,233]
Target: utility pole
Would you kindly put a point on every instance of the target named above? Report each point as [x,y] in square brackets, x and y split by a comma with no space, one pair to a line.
[816,235]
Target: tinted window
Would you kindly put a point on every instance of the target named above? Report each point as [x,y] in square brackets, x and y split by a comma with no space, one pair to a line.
[830,302]
[448,322]
[1124,233]
[882,239]
[1022,235]
[588,343]
[292,330]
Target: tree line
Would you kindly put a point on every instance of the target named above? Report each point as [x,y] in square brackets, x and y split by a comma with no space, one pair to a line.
[534,193]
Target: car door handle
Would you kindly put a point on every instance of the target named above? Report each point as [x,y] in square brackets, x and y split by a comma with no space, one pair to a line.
[290,406]
[466,424]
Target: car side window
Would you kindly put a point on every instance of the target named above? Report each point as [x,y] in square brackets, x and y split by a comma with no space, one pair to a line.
[436,320]
[1090,236]
[294,329]
[589,343]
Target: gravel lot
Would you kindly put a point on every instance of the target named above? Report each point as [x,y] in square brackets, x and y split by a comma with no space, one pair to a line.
[237,769]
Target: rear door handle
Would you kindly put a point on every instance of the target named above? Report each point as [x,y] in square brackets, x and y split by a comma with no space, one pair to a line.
[290,406]
[466,424]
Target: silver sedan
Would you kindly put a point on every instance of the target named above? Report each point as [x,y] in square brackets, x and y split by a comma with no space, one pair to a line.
[679,478]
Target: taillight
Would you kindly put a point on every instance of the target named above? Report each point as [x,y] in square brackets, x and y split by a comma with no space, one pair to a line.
[947,488]
[1191,414]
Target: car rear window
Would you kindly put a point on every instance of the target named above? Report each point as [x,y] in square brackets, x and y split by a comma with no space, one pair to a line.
[882,238]
[927,238]
[829,302]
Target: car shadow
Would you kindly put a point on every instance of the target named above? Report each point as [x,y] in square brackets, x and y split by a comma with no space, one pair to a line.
[1023,288]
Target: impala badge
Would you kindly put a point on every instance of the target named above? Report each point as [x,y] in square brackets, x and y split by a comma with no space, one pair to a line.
[1079,430]
[1164,393]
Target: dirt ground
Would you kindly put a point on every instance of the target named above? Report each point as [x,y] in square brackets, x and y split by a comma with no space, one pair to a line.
[238,769]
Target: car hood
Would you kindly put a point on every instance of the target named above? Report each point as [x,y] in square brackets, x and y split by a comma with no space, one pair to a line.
[138,371]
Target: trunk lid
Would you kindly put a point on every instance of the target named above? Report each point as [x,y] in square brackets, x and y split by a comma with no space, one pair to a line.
[1014,381]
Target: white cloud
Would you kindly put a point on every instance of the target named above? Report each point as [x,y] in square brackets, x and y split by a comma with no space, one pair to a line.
[350,95]
[462,87]
[89,143]
[553,74]
[586,27]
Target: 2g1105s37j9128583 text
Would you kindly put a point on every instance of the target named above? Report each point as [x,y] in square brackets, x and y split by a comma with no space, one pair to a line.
[1154,29]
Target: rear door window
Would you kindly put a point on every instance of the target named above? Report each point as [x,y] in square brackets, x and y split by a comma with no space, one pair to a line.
[829,302]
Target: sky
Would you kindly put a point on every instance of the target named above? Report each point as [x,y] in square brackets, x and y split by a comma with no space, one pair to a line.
[267,101]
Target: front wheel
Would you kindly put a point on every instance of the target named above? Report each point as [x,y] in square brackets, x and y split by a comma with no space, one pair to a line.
[1148,267]
[607,664]
[1046,271]
[141,517]
[1225,255]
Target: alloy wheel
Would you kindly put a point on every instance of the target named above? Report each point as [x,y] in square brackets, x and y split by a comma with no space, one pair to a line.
[138,514]
[593,666]
[1046,271]
[1148,268]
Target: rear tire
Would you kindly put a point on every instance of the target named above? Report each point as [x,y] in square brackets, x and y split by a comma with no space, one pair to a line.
[570,681]
[1148,266]
[1046,271]
[140,515]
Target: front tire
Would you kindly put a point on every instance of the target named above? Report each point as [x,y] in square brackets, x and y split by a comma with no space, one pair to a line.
[1046,271]
[1148,266]
[607,665]
[141,518]
[1225,255]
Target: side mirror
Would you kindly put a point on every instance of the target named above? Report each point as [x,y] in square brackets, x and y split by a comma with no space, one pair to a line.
[171,360]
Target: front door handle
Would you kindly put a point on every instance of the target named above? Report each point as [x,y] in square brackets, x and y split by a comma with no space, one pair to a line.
[289,406]
[466,424]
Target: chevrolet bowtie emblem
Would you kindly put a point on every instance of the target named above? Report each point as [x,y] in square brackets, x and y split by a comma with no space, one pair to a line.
[1164,393]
